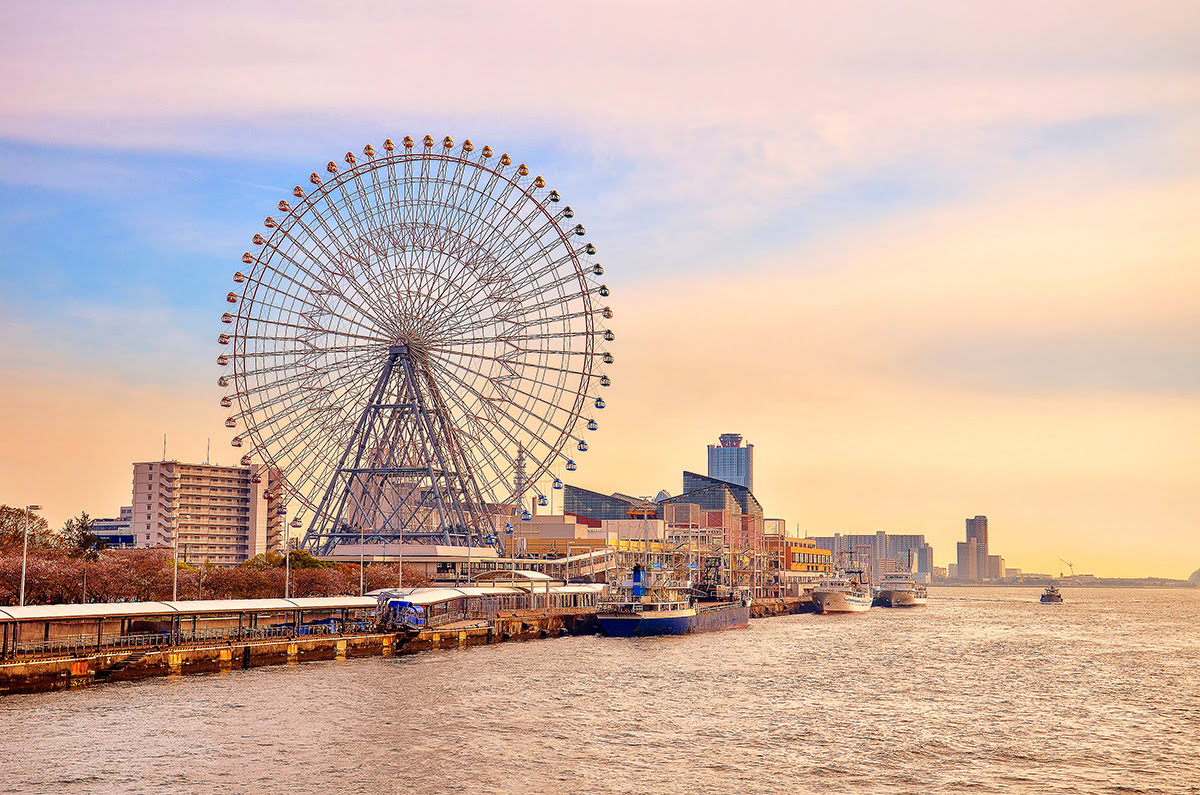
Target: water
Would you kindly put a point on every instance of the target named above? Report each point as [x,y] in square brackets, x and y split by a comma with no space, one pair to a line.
[984,690]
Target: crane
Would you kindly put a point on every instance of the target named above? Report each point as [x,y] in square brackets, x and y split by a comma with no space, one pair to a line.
[1071,566]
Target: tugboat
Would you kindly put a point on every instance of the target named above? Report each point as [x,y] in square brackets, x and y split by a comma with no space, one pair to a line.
[841,594]
[1051,596]
[897,589]
[640,607]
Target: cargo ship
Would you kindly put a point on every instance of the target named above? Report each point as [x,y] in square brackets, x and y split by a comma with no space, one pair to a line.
[897,589]
[638,607]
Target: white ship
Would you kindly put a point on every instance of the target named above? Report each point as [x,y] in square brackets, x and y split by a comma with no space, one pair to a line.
[897,589]
[841,594]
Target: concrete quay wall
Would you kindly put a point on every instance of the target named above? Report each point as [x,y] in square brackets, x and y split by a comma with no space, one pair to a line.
[65,673]
[786,606]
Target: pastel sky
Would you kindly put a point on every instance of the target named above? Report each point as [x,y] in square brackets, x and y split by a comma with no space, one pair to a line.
[933,259]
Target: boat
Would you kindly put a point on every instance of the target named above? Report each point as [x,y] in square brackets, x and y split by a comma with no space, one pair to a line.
[841,594]
[897,589]
[641,607]
[1051,596]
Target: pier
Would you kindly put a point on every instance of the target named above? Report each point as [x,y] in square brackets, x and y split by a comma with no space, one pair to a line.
[61,647]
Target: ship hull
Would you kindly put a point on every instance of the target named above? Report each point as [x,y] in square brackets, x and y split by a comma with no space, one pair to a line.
[899,599]
[675,622]
[837,602]
[1048,599]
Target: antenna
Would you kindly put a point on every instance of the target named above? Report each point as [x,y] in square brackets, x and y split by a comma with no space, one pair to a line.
[208,452]
[164,458]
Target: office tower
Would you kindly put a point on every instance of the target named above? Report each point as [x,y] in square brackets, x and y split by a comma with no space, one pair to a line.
[731,462]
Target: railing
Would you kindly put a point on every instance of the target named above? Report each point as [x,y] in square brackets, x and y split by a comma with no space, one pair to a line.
[77,645]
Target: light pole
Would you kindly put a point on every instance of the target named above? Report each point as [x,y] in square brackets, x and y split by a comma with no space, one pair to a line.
[175,580]
[287,564]
[361,560]
[29,509]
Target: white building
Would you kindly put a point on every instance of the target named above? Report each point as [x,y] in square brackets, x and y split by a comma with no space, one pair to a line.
[223,515]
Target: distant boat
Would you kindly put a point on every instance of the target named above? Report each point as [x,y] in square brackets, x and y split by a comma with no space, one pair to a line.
[897,589]
[1051,595]
[841,594]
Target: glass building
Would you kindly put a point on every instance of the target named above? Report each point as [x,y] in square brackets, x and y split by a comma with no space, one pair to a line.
[731,462]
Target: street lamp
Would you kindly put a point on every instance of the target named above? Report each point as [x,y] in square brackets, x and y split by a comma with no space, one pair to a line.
[175,580]
[29,509]
[287,563]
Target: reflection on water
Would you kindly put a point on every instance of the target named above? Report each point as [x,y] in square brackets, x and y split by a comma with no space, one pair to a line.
[983,690]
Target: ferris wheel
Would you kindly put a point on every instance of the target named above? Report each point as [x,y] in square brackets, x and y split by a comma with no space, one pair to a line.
[416,342]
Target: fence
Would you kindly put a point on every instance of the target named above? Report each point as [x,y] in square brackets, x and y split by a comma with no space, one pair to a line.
[78,645]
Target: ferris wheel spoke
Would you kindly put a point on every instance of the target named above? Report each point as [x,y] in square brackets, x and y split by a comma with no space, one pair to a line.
[504,429]
[324,286]
[335,275]
[510,388]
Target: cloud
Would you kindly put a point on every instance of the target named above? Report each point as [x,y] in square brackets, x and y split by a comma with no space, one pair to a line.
[935,260]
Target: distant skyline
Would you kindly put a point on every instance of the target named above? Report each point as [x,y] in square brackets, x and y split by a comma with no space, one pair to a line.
[934,261]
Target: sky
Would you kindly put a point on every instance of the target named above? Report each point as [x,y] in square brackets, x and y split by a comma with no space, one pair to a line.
[934,260]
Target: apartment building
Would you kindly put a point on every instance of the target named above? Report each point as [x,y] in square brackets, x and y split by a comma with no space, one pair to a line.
[222,515]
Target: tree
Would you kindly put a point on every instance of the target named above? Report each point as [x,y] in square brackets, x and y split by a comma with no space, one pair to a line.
[12,528]
[78,538]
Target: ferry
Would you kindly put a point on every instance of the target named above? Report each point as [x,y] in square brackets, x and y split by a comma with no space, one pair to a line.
[841,594]
[639,607]
[897,589]
[1051,596]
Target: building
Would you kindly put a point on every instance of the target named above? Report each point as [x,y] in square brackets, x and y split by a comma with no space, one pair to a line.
[731,462]
[909,552]
[592,507]
[968,560]
[221,515]
[995,567]
[977,531]
[794,559]
[116,533]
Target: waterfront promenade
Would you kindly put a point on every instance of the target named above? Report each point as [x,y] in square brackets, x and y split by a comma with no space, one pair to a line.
[136,640]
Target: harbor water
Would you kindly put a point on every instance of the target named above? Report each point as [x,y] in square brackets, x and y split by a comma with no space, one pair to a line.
[984,690]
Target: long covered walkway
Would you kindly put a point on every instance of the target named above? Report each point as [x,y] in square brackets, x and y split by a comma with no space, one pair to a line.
[76,629]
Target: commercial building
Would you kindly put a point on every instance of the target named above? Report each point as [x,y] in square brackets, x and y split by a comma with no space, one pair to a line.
[116,533]
[221,515]
[791,561]
[592,507]
[731,462]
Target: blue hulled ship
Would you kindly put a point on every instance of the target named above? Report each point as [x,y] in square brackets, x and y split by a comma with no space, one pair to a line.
[639,607]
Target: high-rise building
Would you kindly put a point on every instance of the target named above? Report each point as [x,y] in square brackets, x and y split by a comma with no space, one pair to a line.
[968,560]
[731,462]
[977,530]
[222,515]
